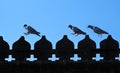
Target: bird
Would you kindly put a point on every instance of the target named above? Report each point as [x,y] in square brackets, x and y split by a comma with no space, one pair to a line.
[30,30]
[76,30]
[97,30]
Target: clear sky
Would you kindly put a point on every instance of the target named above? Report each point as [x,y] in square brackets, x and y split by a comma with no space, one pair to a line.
[52,17]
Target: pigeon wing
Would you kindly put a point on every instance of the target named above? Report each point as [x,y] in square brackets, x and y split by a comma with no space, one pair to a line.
[98,30]
[78,31]
[31,30]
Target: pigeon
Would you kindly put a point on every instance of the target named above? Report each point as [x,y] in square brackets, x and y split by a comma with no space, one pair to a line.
[76,30]
[30,30]
[97,30]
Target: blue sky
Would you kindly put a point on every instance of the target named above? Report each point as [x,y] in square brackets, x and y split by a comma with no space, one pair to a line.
[52,17]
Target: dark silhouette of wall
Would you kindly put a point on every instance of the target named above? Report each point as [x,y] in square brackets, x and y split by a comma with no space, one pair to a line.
[21,49]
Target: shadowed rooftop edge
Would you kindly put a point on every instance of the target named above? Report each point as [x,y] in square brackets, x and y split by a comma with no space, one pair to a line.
[86,50]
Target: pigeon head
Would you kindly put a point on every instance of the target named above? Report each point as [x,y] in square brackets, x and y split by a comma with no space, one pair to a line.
[70,26]
[90,26]
[25,25]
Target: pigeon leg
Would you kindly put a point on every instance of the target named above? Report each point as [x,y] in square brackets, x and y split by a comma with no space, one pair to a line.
[73,33]
[76,34]
[100,35]
[26,33]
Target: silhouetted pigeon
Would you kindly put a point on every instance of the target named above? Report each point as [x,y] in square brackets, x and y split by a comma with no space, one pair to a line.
[97,30]
[30,30]
[76,30]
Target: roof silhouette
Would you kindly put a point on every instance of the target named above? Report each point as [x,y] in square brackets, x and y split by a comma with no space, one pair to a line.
[21,50]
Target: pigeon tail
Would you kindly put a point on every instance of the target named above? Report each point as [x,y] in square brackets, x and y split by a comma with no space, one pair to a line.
[38,33]
[84,33]
[106,32]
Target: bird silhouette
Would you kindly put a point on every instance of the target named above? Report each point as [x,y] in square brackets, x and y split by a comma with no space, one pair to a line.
[31,30]
[97,30]
[76,30]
